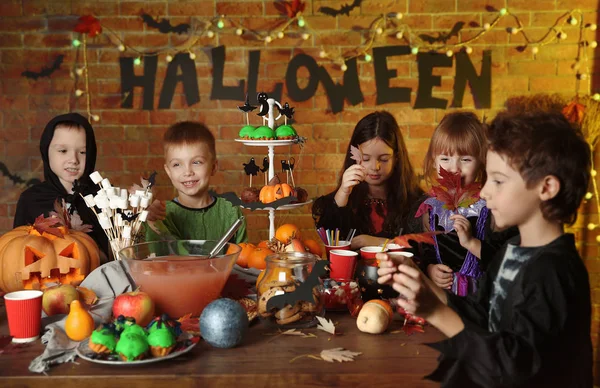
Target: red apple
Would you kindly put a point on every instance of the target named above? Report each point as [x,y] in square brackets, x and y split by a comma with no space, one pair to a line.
[135,304]
[57,299]
[295,245]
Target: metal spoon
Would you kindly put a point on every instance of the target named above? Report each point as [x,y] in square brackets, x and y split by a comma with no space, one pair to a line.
[221,243]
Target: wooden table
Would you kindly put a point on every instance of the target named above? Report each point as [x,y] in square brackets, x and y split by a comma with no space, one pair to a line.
[391,359]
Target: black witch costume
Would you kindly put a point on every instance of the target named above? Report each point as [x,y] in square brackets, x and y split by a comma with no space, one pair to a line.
[39,199]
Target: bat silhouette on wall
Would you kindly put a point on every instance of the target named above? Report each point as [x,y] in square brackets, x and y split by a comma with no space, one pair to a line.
[344,9]
[16,179]
[46,71]
[303,292]
[164,25]
[442,36]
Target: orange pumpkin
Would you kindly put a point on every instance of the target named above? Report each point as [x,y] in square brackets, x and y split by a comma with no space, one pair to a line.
[272,193]
[30,260]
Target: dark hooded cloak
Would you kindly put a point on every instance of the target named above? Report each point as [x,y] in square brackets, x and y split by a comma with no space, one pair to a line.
[39,199]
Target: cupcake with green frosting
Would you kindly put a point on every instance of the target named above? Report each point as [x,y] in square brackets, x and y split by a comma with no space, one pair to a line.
[246,132]
[103,340]
[161,341]
[263,133]
[134,329]
[285,132]
[132,346]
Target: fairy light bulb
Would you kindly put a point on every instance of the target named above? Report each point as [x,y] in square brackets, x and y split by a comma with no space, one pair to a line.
[593,172]
[379,30]
[399,15]
[598,238]
[588,195]
[137,61]
[562,35]
[572,21]
[368,58]
[169,58]
[79,71]
[305,36]
[322,54]
[239,31]
[121,48]
[593,44]
[220,24]
[76,43]
[399,35]
[469,49]
[486,26]
[591,226]
[535,49]
[192,56]
[78,92]
[268,39]
[513,30]
[596,97]
[280,34]
[503,11]
[95,117]
[593,26]
[414,50]
[344,67]
[583,76]
[301,22]
[210,34]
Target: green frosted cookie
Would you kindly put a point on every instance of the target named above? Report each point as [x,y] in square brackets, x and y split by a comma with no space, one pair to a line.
[131,346]
[104,336]
[161,337]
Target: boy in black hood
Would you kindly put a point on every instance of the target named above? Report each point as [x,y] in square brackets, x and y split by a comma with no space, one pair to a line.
[68,148]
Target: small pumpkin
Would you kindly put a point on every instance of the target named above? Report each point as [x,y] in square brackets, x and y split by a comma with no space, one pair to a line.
[375,317]
[79,324]
[269,194]
[30,259]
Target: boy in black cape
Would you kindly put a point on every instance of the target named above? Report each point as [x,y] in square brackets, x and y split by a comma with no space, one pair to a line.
[529,323]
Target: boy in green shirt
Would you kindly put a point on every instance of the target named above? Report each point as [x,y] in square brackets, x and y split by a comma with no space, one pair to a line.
[190,161]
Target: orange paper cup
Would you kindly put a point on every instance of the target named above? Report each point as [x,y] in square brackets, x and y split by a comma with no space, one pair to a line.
[342,245]
[342,264]
[24,313]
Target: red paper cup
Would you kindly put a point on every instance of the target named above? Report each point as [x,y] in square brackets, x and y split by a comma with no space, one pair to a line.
[394,247]
[342,264]
[342,245]
[24,313]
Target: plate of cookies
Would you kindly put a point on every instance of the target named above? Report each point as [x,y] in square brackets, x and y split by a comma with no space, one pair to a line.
[123,342]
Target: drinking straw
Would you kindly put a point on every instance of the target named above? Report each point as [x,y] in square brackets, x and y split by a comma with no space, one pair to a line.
[385,245]
[337,236]
[352,235]
[348,235]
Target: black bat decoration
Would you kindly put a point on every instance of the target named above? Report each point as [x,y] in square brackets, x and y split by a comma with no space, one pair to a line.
[443,37]
[46,71]
[344,9]
[303,292]
[285,166]
[127,215]
[16,179]
[251,168]
[287,111]
[236,201]
[247,107]
[291,163]
[264,105]
[164,25]
[265,166]
[152,179]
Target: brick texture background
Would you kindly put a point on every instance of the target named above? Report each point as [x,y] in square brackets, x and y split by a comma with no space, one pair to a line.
[33,32]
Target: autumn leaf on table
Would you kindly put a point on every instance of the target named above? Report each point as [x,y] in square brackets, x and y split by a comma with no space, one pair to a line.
[298,333]
[426,237]
[451,192]
[356,154]
[574,112]
[338,354]
[290,8]
[326,325]
[189,324]
[47,225]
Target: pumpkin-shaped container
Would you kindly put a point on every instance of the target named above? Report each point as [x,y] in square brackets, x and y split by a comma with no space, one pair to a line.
[290,291]
[30,259]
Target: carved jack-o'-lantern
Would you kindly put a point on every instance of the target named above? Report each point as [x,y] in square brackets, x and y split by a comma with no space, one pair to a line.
[274,192]
[30,260]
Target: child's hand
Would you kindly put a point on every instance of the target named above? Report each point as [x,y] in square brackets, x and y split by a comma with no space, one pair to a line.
[440,274]
[157,210]
[352,176]
[388,266]
[364,240]
[419,296]
[463,229]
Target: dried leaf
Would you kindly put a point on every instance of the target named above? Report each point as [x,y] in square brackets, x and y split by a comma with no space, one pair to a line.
[426,237]
[88,296]
[60,212]
[326,325]
[449,190]
[189,324]
[574,112]
[298,333]
[356,154]
[78,225]
[338,354]
[47,225]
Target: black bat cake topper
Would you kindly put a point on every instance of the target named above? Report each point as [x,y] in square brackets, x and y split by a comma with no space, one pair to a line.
[264,104]
[287,111]
[247,107]
[344,9]
[164,25]
[303,292]
[46,71]
[443,37]
[251,168]
[265,166]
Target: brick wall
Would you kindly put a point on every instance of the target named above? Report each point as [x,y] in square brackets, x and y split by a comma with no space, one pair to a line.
[33,32]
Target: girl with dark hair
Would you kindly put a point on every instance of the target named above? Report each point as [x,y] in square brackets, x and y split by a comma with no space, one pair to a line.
[68,149]
[376,195]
